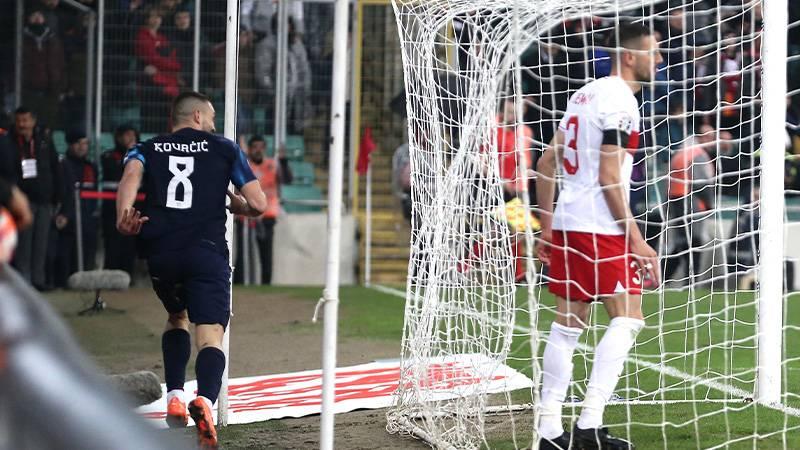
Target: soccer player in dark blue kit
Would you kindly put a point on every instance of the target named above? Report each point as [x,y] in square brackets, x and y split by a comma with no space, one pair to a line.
[182,234]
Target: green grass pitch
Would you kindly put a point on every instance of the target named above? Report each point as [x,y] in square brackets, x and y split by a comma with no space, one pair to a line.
[697,337]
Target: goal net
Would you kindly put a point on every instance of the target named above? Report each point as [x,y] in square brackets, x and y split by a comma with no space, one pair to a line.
[486,84]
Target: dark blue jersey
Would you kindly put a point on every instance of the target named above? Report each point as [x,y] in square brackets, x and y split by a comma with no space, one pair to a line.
[186,176]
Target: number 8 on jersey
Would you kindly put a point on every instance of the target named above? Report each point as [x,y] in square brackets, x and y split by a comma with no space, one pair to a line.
[181,167]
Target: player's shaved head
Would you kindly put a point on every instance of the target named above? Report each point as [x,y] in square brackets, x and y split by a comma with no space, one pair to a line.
[185,104]
[628,35]
[190,107]
[634,51]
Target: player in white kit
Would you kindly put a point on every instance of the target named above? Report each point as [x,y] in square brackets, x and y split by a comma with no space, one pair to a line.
[591,243]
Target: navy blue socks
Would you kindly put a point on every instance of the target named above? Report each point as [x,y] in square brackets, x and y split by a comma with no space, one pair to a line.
[176,345]
[209,367]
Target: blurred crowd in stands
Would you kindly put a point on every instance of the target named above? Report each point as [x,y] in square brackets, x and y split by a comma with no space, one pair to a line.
[705,92]
[700,147]
[149,58]
[61,205]
[701,119]
[702,112]
[46,251]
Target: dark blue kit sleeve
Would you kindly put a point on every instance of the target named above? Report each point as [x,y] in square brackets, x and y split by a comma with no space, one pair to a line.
[241,173]
[135,152]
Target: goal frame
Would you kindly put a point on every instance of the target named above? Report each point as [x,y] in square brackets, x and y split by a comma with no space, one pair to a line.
[771,230]
[769,292]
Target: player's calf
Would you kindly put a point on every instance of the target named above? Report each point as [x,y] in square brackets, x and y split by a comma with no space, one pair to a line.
[557,373]
[209,367]
[176,347]
[609,362]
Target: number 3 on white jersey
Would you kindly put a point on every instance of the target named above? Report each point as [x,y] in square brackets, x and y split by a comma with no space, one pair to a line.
[571,135]
[180,167]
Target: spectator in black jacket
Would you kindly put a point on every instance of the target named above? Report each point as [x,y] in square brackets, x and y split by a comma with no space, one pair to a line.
[122,73]
[181,35]
[743,246]
[44,83]
[120,251]
[31,162]
[78,174]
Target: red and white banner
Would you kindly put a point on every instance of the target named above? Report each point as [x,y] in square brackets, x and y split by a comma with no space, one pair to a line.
[366,386]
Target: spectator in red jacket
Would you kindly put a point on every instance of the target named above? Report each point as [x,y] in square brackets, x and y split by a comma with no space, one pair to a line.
[513,172]
[161,81]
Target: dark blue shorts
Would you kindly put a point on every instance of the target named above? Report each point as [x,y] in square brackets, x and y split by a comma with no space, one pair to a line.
[196,279]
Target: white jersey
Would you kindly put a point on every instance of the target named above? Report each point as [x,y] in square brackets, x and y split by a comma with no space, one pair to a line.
[602,105]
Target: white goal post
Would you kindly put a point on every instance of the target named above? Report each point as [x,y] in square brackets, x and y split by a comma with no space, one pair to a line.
[771,280]
[712,342]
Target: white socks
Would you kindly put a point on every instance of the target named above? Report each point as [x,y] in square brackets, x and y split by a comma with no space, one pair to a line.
[175,393]
[180,394]
[557,373]
[609,361]
[208,402]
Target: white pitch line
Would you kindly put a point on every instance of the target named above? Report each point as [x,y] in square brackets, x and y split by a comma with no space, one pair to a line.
[387,290]
[666,370]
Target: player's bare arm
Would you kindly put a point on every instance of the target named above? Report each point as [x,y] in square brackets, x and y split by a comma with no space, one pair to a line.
[129,220]
[251,203]
[19,208]
[545,194]
[611,157]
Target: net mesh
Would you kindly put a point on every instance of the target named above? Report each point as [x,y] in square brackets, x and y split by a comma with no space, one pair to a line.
[486,84]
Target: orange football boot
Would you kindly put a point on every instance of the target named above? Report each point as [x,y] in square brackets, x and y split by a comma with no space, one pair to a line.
[204,420]
[177,417]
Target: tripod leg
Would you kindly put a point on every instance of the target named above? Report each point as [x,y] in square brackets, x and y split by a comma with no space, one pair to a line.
[98,302]
[96,307]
